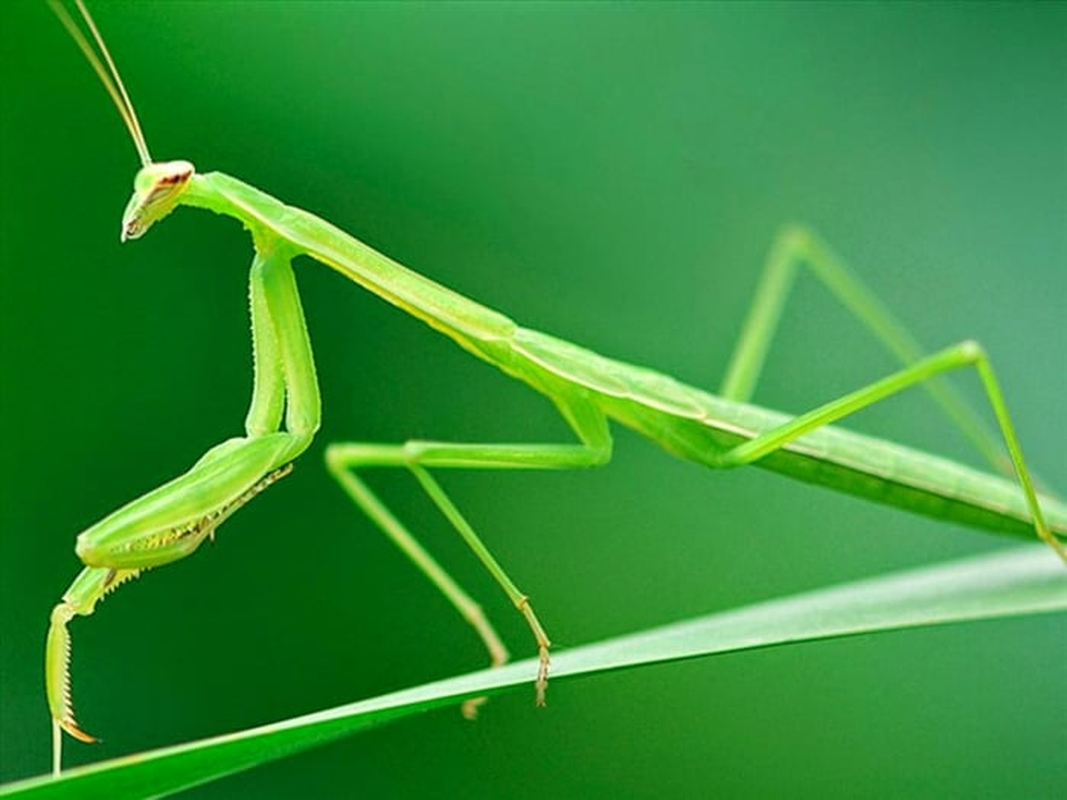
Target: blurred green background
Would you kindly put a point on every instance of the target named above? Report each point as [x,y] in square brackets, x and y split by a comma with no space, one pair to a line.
[612,174]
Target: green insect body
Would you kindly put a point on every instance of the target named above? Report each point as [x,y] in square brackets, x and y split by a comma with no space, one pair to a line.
[589,390]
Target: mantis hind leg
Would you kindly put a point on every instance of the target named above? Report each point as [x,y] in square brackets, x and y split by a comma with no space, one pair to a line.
[345,460]
[796,247]
[964,354]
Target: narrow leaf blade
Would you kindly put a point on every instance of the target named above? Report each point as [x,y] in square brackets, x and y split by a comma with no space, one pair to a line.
[1021,581]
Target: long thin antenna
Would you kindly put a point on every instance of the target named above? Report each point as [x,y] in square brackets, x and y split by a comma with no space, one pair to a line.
[108,76]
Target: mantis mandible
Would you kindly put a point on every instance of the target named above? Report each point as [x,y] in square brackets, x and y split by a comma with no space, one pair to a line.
[718,431]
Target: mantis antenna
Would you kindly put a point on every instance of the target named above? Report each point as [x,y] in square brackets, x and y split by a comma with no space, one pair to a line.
[109,75]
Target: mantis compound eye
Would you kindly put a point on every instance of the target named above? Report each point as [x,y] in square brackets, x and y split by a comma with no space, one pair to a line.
[156,191]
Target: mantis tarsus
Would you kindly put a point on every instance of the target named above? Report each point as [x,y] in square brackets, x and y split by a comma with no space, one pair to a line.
[718,431]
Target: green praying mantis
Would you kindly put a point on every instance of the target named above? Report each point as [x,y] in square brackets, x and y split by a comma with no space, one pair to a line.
[719,431]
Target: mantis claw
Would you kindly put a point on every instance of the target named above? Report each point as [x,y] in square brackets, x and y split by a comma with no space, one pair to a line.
[94,583]
[91,586]
[57,672]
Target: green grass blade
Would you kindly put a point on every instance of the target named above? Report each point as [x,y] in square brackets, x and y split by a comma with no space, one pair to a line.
[1019,581]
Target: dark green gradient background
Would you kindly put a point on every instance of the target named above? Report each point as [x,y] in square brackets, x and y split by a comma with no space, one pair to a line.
[610,173]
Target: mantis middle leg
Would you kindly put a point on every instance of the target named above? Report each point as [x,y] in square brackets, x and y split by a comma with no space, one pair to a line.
[344,460]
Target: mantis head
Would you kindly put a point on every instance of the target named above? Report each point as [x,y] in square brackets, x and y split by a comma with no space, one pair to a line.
[159,185]
[156,191]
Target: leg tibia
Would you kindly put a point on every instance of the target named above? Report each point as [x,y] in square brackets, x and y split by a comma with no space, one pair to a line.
[380,515]
[344,460]
[91,586]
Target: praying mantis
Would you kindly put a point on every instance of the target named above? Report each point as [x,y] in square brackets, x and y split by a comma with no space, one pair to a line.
[588,390]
